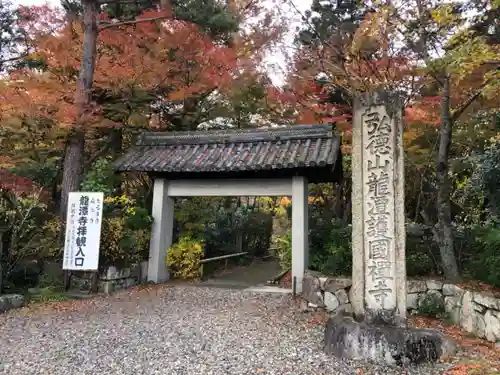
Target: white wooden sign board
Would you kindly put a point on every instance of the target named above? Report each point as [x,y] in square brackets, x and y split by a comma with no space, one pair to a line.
[83,231]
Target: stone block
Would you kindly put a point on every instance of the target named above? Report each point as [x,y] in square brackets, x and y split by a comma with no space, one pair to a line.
[11,301]
[452,307]
[471,320]
[346,338]
[492,326]
[416,286]
[312,273]
[345,309]
[108,287]
[342,296]
[125,273]
[322,281]
[486,299]
[452,290]
[434,284]
[332,285]
[111,273]
[412,300]
[479,308]
[331,301]
[311,290]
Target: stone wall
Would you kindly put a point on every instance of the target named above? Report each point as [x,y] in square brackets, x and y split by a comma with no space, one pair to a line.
[113,278]
[475,312]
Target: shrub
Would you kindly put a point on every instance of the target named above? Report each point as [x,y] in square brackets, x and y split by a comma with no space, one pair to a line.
[431,305]
[485,261]
[284,250]
[22,220]
[335,256]
[183,258]
[100,178]
[125,232]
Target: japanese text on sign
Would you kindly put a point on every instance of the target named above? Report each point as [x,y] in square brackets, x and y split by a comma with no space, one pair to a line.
[378,190]
[83,231]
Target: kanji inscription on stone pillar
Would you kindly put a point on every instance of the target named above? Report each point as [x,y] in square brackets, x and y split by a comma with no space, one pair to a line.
[379,274]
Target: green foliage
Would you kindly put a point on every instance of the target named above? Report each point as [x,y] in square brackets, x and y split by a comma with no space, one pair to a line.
[486,176]
[284,250]
[330,242]
[42,174]
[210,15]
[100,178]
[221,223]
[431,305]
[11,36]
[422,253]
[51,280]
[46,294]
[183,258]
[126,227]
[22,219]
[125,232]
[485,263]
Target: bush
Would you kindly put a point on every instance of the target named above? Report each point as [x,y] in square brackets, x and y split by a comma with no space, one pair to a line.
[485,261]
[101,178]
[220,224]
[183,258]
[22,221]
[432,306]
[284,250]
[334,257]
[125,233]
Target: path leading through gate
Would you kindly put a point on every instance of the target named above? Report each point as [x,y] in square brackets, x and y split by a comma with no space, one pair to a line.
[254,275]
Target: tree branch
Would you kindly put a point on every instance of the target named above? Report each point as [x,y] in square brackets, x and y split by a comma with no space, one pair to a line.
[131,22]
[10,59]
[461,109]
[97,155]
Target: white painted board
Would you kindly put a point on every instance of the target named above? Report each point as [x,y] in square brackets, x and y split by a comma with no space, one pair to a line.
[83,231]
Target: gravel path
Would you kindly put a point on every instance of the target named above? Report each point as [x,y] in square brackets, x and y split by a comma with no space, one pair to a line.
[170,330]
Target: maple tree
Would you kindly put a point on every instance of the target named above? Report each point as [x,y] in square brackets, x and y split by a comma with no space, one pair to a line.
[122,66]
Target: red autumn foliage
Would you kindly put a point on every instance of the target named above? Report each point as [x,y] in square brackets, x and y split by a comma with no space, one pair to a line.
[17,184]
[146,55]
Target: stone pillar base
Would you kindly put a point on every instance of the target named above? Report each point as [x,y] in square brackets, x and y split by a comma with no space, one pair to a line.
[391,345]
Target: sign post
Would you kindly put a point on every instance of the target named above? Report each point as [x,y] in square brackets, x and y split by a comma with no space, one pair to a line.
[83,232]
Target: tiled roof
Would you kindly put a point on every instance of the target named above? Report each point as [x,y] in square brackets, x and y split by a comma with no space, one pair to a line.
[233,150]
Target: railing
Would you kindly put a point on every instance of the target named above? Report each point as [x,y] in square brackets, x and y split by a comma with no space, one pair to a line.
[226,257]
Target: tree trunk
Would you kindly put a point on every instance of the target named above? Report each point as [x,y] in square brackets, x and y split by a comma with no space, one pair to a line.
[74,154]
[445,233]
[1,258]
[72,169]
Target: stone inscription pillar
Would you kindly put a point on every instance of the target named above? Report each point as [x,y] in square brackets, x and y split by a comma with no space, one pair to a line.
[378,231]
